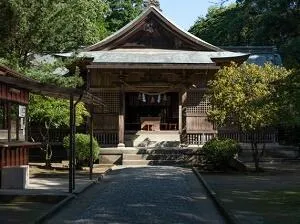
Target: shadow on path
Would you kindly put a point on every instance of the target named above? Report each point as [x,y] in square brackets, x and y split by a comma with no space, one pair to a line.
[143,195]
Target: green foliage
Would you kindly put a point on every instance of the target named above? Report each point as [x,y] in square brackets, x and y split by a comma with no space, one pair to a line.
[82,145]
[288,98]
[35,26]
[222,26]
[243,96]
[122,12]
[48,110]
[219,152]
[47,73]
[54,112]
[246,97]
[254,22]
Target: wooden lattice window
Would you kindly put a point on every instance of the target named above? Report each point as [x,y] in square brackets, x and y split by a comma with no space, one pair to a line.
[111,100]
[197,102]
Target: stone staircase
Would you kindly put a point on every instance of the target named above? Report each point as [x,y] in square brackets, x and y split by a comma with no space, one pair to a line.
[152,139]
[159,156]
[132,156]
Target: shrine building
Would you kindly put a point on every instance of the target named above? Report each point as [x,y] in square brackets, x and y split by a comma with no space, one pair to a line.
[152,77]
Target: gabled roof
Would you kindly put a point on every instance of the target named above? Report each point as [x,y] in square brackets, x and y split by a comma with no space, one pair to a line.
[152,13]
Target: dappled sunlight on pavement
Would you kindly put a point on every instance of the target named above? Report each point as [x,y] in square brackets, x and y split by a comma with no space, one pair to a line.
[143,195]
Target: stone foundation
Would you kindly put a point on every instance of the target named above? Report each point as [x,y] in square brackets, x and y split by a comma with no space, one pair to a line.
[16,177]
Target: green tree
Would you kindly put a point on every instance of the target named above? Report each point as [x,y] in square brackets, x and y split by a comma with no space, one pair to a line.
[242,96]
[223,26]
[122,12]
[255,22]
[35,26]
[48,112]
[288,100]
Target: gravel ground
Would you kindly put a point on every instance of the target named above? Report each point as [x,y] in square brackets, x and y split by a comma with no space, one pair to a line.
[143,195]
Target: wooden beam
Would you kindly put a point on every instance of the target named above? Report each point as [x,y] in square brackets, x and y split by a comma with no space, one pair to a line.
[153,66]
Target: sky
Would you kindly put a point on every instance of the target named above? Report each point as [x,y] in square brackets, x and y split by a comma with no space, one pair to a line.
[184,13]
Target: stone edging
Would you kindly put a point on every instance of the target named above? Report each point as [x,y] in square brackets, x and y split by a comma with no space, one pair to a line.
[70,197]
[226,213]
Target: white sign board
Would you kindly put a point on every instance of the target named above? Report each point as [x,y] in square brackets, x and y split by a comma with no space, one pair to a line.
[22,111]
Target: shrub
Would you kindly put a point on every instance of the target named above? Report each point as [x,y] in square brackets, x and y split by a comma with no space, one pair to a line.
[219,152]
[82,145]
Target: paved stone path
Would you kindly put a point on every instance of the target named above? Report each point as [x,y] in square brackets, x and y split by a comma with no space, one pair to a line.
[143,195]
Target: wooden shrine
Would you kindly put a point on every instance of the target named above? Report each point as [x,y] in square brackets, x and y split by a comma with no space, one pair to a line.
[152,75]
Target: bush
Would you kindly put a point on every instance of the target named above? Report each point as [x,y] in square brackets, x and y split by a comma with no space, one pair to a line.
[82,145]
[219,152]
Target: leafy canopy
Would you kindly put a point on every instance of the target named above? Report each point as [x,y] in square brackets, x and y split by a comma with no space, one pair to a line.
[254,22]
[288,98]
[35,26]
[52,111]
[243,96]
[122,12]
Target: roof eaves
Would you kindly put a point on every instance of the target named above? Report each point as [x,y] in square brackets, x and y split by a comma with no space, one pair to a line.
[118,33]
[146,12]
[188,35]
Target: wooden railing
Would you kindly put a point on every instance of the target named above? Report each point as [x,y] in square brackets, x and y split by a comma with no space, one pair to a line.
[56,136]
[266,136]
[199,138]
[107,138]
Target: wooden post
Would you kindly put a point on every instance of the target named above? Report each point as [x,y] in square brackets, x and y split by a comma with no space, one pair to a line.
[72,139]
[9,121]
[18,120]
[26,125]
[121,118]
[91,141]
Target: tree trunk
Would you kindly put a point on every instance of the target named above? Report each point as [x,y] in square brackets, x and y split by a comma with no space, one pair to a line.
[255,156]
[48,150]
[255,153]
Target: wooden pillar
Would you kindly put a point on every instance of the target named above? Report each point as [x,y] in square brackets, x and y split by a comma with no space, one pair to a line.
[9,121]
[72,141]
[122,118]
[18,120]
[26,125]
[91,141]
[180,112]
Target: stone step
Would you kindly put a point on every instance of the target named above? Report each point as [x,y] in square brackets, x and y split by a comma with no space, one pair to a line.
[157,157]
[155,138]
[151,162]
[152,151]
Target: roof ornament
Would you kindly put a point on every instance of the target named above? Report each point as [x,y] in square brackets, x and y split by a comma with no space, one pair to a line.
[148,3]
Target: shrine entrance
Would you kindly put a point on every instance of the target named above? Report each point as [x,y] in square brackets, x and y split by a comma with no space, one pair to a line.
[151,112]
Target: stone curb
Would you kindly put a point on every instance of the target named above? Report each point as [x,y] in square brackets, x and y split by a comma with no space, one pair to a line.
[60,205]
[229,217]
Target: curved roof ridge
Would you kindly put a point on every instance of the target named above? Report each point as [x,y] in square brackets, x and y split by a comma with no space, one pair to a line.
[145,13]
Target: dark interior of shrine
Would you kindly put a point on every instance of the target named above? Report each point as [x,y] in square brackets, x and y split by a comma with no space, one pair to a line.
[162,107]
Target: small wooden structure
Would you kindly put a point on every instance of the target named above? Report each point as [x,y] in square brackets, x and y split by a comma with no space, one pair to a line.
[14,145]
